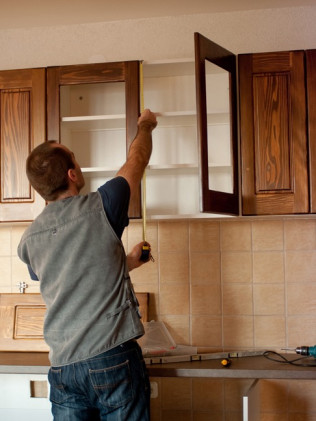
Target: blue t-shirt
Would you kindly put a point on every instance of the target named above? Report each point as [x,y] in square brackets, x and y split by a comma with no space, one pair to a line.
[115,195]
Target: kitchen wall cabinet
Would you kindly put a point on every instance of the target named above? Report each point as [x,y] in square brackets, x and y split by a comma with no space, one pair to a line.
[273,133]
[93,110]
[22,124]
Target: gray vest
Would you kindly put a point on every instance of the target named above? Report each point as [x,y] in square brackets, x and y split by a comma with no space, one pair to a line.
[84,279]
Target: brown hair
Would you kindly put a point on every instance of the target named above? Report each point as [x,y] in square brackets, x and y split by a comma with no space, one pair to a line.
[47,167]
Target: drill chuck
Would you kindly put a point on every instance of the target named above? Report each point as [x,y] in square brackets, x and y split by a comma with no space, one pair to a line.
[306,350]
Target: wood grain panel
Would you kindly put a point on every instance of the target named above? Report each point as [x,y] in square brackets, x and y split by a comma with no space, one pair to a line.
[15,145]
[28,322]
[22,319]
[273,142]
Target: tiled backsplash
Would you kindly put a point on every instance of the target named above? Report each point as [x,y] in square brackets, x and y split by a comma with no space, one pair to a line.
[218,284]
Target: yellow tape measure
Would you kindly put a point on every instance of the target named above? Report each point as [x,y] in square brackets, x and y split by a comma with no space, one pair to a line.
[145,252]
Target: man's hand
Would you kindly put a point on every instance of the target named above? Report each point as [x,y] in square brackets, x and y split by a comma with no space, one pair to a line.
[133,258]
[147,120]
[139,151]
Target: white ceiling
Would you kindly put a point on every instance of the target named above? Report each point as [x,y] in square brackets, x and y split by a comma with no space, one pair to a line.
[33,13]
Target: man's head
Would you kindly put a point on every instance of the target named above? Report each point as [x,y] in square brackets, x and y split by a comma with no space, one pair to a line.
[52,170]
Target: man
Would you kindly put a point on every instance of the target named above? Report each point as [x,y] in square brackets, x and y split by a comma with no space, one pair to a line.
[74,249]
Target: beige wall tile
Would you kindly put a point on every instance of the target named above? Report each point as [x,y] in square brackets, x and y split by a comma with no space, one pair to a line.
[268,267]
[176,393]
[238,332]
[302,396]
[268,299]
[300,234]
[5,241]
[301,299]
[5,277]
[178,327]
[167,415]
[235,389]
[147,273]
[274,396]
[174,267]
[17,232]
[269,331]
[208,395]
[301,330]
[209,415]
[236,236]
[236,267]
[173,236]
[205,268]
[206,299]
[267,235]
[300,266]
[174,299]
[237,299]
[135,235]
[204,236]
[302,416]
[206,331]
[277,416]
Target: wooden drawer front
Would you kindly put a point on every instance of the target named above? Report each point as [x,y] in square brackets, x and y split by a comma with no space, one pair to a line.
[22,319]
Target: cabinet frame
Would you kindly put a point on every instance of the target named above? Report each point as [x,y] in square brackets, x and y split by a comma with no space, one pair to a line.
[125,71]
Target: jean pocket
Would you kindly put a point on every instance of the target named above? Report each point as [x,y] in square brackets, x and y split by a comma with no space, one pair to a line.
[57,392]
[113,385]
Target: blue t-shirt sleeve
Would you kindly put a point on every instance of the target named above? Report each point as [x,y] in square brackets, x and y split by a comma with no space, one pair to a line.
[115,197]
[32,274]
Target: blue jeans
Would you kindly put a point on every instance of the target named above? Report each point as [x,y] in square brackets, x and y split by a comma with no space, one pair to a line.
[113,386]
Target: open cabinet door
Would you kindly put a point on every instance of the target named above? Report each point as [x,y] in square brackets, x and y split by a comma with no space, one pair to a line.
[216,95]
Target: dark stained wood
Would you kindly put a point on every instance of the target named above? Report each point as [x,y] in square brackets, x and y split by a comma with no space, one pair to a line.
[127,72]
[311,107]
[211,200]
[274,168]
[22,127]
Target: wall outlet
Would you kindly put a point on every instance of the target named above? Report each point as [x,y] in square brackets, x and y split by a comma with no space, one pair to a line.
[153,390]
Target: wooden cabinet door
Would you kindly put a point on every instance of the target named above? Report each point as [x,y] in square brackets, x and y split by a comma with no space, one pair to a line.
[311,107]
[207,52]
[274,168]
[127,72]
[22,126]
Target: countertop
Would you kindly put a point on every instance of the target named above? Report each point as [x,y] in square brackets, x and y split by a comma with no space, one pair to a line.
[255,367]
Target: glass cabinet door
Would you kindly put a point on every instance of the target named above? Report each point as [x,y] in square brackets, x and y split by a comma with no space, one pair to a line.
[216,97]
[93,109]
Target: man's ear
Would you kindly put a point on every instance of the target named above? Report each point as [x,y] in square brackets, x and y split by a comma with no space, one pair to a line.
[72,175]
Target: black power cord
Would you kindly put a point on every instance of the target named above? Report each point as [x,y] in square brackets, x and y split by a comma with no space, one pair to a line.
[279,358]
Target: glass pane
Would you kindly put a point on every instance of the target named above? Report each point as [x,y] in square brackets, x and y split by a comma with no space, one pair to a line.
[219,140]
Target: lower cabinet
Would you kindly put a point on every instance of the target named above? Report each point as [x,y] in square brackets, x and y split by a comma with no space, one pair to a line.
[24,397]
